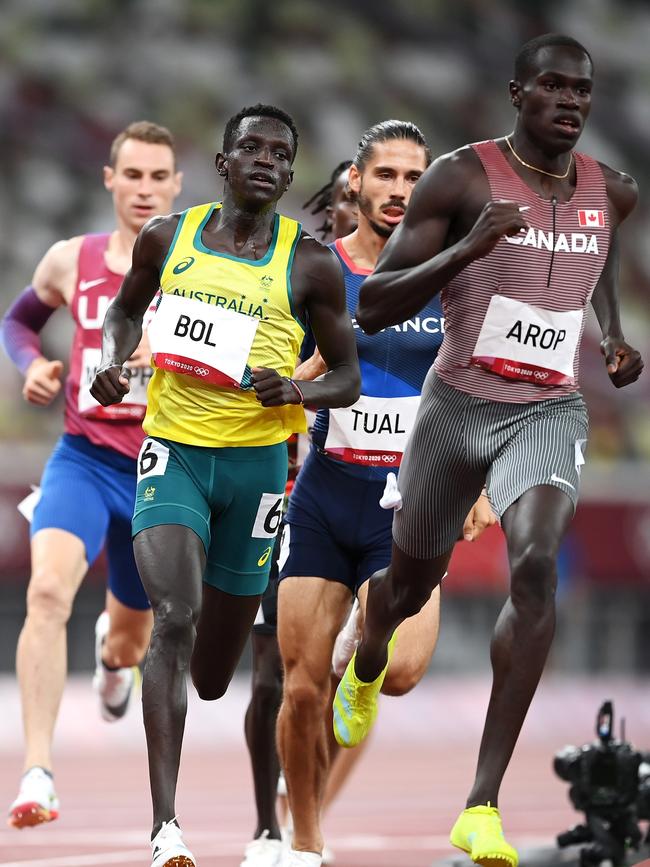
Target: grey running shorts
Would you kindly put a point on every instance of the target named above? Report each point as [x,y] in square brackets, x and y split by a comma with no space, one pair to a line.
[461,442]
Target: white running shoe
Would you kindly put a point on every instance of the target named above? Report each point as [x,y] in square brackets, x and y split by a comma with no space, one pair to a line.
[263,852]
[114,688]
[36,802]
[328,856]
[168,849]
[293,858]
[346,641]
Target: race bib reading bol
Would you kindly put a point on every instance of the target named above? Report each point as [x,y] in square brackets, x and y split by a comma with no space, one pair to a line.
[133,405]
[373,431]
[201,340]
[531,344]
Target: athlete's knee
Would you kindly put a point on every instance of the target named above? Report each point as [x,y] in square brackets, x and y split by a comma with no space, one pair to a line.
[174,622]
[403,678]
[403,597]
[267,693]
[124,648]
[211,686]
[49,596]
[409,599]
[267,685]
[304,695]
[533,578]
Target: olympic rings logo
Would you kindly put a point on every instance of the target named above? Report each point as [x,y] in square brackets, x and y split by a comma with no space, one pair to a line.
[541,374]
[389,459]
[201,371]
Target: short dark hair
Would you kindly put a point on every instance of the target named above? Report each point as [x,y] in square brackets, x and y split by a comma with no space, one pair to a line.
[142,130]
[259,110]
[527,54]
[322,199]
[388,130]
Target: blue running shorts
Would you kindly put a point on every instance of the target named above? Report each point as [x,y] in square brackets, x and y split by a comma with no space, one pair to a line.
[89,491]
[336,528]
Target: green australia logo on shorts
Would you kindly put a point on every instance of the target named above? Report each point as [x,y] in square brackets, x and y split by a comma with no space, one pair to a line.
[183,265]
[149,492]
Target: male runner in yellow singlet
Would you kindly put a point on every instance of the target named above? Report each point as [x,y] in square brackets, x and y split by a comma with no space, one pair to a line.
[238,282]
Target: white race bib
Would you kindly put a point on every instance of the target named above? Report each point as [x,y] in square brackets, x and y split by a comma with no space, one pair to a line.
[201,340]
[520,341]
[373,431]
[134,403]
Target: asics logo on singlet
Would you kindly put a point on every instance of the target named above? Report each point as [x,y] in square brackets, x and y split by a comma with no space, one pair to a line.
[201,371]
[571,242]
[183,265]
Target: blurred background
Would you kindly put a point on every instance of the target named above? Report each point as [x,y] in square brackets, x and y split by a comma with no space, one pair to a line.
[76,72]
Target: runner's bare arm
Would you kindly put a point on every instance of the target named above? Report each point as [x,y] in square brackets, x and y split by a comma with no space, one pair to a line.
[52,286]
[419,260]
[319,294]
[311,367]
[55,277]
[624,364]
[123,322]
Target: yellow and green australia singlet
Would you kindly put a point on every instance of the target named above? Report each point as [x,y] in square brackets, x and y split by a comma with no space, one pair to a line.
[185,409]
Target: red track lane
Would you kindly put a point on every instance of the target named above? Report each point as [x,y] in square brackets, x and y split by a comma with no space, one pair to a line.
[396,811]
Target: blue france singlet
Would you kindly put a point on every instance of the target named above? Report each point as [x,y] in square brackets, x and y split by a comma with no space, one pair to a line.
[367,439]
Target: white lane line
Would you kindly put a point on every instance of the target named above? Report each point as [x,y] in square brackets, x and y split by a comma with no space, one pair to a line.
[81,860]
[438,844]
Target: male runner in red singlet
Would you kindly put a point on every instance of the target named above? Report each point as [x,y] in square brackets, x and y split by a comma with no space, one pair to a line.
[88,488]
[520,234]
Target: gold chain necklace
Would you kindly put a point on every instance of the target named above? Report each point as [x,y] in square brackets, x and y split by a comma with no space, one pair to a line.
[534,168]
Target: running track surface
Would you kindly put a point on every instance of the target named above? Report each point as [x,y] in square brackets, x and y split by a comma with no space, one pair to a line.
[396,811]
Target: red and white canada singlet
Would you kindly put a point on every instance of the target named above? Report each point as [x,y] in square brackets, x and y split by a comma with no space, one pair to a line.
[514,319]
[117,427]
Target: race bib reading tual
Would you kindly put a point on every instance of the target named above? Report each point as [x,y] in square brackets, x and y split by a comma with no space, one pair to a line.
[373,432]
[133,405]
[531,344]
[201,340]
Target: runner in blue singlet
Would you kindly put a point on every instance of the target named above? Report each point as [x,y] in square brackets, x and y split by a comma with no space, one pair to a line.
[338,535]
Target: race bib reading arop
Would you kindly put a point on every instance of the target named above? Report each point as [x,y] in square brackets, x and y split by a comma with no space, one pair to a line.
[373,431]
[201,340]
[531,344]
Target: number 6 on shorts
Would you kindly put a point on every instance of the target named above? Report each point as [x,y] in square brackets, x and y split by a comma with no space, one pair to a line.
[269,515]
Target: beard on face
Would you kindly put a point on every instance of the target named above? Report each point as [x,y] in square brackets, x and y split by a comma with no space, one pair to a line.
[365,207]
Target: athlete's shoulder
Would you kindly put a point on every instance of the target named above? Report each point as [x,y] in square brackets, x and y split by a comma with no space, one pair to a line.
[155,239]
[457,164]
[63,255]
[446,185]
[314,263]
[55,274]
[622,190]
[312,250]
